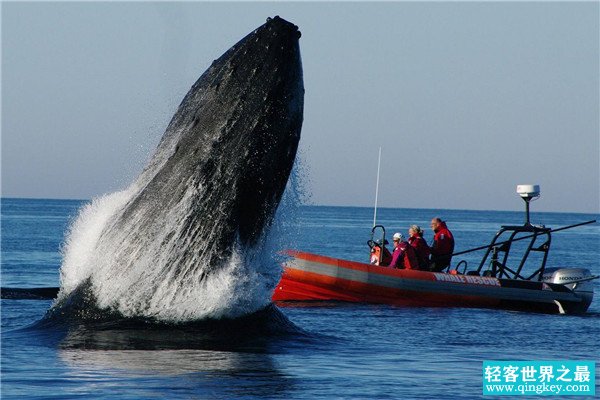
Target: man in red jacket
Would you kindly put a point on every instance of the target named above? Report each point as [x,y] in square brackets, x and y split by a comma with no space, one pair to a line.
[443,245]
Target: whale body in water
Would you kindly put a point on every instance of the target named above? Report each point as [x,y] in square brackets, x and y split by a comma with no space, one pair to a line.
[188,239]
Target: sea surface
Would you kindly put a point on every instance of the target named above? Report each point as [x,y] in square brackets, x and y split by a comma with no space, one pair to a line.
[346,351]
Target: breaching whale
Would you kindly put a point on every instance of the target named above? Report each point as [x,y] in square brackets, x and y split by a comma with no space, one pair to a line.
[185,241]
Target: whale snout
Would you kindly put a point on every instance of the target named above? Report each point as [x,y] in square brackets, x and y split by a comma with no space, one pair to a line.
[281,24]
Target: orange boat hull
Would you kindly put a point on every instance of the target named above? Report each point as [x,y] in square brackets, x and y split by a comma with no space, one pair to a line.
[312,277]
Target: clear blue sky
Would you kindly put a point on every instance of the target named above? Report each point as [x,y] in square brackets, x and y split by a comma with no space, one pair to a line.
[467,99]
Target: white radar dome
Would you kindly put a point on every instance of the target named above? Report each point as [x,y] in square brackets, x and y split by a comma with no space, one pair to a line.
[528,191]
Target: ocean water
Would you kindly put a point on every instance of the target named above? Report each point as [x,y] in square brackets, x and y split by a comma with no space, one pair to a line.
[342,351]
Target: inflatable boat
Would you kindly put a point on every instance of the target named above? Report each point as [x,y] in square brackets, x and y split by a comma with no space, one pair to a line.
[493,284]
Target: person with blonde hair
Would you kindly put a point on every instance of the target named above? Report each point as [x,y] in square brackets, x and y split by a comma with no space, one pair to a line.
[422,250]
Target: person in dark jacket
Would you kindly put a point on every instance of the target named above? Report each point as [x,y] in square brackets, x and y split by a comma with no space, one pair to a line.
[422,250]
[404,256]
[443,245]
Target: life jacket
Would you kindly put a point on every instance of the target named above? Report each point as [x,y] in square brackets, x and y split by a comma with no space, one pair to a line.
[422,251]
[443,246]
[385,259]
[443,241]
[410,258]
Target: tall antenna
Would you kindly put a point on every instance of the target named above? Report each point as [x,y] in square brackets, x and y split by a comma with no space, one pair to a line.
[377,189]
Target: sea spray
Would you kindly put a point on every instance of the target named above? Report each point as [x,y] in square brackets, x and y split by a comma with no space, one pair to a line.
[244,285]
[78,251]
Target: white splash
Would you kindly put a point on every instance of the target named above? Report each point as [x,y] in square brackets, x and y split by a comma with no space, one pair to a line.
[82,237]
[154,282]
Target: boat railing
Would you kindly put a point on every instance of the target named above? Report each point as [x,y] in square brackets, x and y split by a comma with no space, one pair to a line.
[497,252]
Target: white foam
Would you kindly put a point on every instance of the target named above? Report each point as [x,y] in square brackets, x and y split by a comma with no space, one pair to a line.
[154,279]
[82,237]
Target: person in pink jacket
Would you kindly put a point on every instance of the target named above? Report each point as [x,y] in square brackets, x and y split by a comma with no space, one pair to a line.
[404,256]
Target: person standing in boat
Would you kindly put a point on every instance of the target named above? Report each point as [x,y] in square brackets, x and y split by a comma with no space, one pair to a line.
[422,250]
[443,245]
[404,256]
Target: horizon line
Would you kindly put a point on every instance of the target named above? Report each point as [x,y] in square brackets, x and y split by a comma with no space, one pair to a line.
[336,205]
